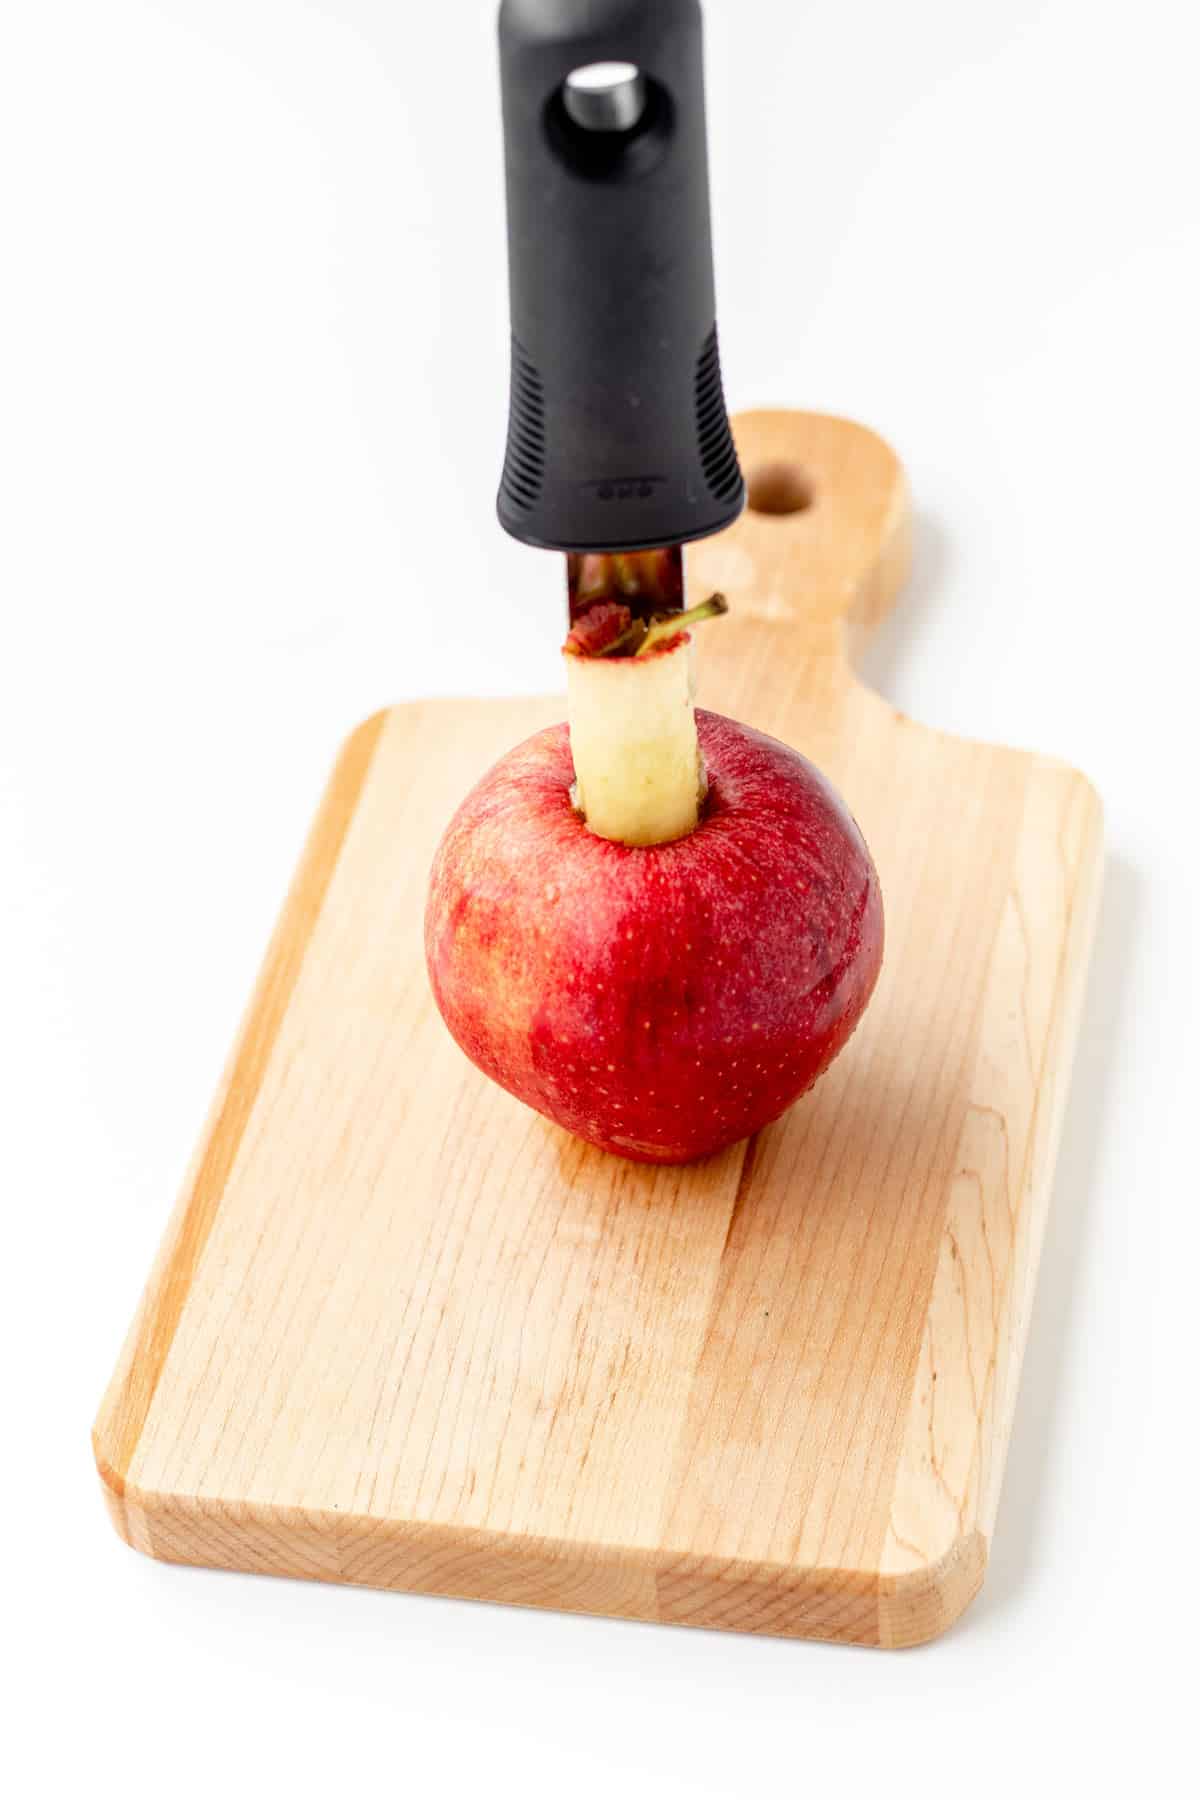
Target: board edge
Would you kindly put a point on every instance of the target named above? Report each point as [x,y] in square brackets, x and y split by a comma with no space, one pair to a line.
[919,1604]
[640,1583]
[129,1396]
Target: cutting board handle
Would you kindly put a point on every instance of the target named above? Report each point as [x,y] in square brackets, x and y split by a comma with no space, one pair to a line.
[824,544]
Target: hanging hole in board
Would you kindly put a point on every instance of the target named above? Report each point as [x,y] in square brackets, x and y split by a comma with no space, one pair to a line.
[779,488]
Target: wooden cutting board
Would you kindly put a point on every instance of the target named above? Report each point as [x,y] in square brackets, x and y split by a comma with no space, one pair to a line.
[403,1332]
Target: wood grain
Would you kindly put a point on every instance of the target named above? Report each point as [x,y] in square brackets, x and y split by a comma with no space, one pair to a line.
[403,1332]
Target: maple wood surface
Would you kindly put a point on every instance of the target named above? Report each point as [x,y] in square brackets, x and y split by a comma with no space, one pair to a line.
[404,1332]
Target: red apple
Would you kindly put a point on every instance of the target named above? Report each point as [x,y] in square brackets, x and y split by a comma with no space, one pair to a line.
[661,1001]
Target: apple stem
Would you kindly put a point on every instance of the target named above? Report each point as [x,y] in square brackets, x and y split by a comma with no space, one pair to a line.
[669,625]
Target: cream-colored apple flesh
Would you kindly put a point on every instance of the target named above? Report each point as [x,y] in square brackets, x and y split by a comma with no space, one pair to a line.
[638,774]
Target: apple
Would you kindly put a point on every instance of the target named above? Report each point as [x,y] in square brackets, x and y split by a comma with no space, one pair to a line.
[657,928]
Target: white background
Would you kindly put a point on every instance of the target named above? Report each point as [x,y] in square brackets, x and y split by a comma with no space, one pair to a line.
[252,393]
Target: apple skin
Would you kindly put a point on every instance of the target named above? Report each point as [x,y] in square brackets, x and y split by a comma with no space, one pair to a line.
[660,1002]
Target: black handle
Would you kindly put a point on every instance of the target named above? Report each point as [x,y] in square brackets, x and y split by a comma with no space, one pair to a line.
[618,435]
